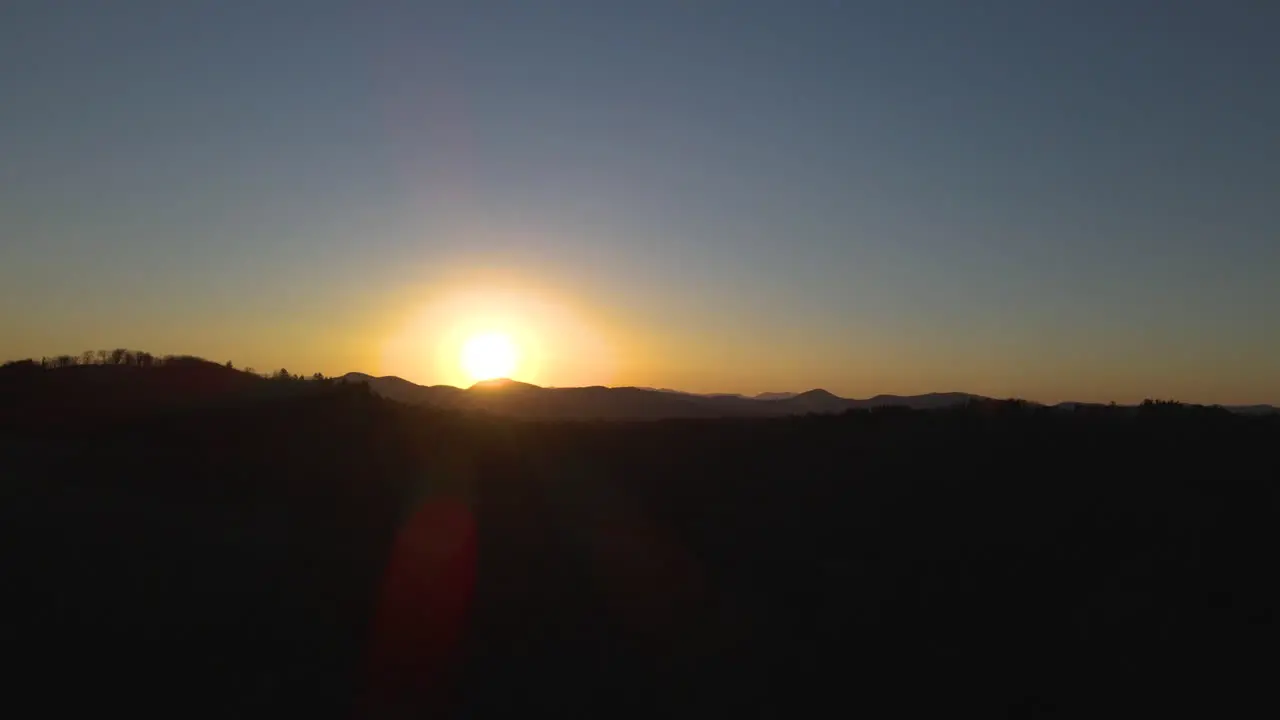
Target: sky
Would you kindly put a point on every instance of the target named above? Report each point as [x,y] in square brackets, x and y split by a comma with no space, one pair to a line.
[1059,200]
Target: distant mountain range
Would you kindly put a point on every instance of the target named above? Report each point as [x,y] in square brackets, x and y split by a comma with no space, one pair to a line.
[517,399]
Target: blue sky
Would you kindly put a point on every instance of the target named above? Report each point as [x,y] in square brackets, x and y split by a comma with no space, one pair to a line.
[1057,200]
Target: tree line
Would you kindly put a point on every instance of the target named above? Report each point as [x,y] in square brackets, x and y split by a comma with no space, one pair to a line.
[123,357]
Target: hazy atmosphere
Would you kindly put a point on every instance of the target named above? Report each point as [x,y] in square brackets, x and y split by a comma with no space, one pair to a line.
[1056,201]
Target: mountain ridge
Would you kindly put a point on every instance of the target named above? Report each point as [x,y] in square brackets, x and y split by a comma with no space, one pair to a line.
[512,398]
[524,400]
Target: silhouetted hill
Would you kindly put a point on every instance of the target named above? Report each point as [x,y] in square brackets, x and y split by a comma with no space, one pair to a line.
[401,390]
[108,392]
[812,401]
[111,387]
[928,401]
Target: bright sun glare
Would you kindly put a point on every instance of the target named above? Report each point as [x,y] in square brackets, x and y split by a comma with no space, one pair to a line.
[489,356]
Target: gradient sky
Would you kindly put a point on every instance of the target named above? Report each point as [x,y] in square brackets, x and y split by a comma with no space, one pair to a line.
[1054,200]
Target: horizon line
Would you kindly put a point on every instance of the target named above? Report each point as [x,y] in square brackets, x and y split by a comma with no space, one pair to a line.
[100,357]
[791,394]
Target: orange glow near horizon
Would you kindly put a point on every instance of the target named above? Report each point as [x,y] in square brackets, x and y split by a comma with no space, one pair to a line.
[471,331]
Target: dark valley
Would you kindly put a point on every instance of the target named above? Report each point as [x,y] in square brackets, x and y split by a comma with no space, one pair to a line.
[183,537]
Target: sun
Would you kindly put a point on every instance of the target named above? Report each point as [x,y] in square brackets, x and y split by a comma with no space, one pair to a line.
[489,356]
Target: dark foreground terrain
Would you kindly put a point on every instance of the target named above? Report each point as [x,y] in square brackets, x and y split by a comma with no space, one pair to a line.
[316,551]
